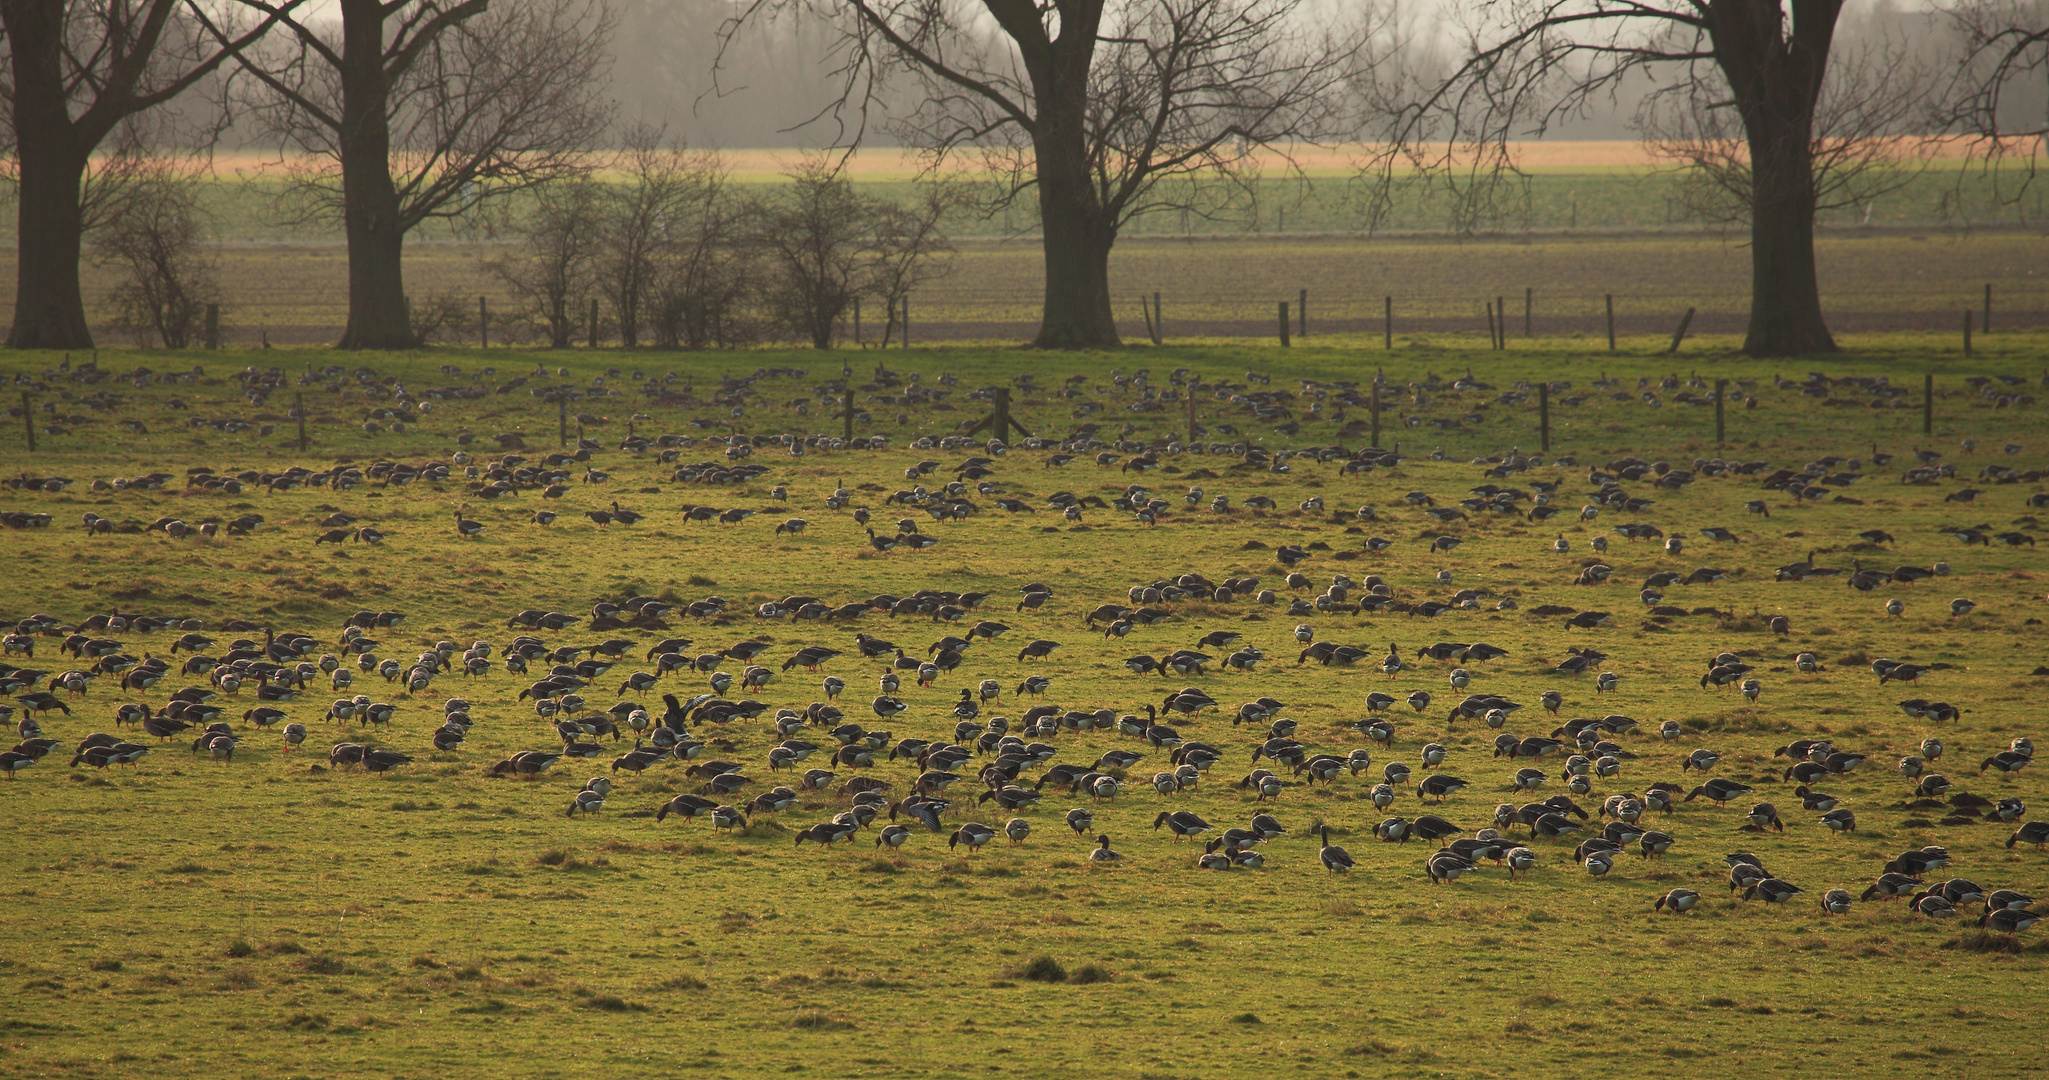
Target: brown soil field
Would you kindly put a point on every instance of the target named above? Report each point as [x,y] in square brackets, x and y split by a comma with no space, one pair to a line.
[1229,287]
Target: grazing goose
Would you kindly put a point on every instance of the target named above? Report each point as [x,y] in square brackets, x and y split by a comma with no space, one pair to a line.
[1678,901]
[1719,791]
[1772,890]
[974,834]
[2034,832]
[1335,859]
[2008,920]
[1182,823]
[1836,901]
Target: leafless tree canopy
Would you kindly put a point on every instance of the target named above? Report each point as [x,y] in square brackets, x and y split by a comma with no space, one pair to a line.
[1528,65]
[1099,108]
[484,100]
[1998,93]
[153,231]
[77,71]
[825,244]
[1867,140]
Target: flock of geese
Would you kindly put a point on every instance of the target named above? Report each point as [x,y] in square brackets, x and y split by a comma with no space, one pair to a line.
[823,750]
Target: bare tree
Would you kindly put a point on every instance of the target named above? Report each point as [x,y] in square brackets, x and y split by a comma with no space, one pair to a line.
[1094,107]
[709,272]
[553,272]
[409,110]
[1865,141]
[910,248]
[1529,64]
[1997,95]
[818,236]
[77,69]
[642,217]
[158,236]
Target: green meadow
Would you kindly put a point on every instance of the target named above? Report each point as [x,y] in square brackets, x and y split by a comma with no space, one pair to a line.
[270,916]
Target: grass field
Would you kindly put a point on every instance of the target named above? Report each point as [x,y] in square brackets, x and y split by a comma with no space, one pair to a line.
[265,918]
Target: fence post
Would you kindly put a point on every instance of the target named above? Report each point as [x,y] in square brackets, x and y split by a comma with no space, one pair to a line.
[1985,324]
[1159,321]
[594,322]
[1967,333]
[1302,314]
[483,323]
[1721,391]
[299,409]
[1679,335]
[1284,324]
[1379,381]
[1493,333]
[1544,417]
[1529,310]
[213,326]
[28,416]
[1928,404]
[907,322]
[1501,323]
[1389,329]
[562,420]
[857,324]
[1611,322]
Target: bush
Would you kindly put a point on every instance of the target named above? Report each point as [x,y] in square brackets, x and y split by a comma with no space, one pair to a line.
[1042,969]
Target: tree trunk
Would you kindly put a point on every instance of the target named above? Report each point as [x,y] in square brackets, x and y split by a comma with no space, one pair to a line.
[49,309]
[1077,235]
[370,211]
[1776,79]
[1785,298]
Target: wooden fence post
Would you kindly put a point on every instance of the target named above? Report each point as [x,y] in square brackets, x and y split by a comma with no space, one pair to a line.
[483,323]
[1529,310]
[1284,324]
[1611,322]
[1493,333]
[1389,328]
[1967,333]
[1985,324]
[1721,392]
[28,416]
[1501,331]
[1159,321]
[213,326]
[1544,416]
[1679,335]
[1928,404]
[1302,314]
[1379,381]
[299,410]
[857,323]
[594,322]
[1146,312]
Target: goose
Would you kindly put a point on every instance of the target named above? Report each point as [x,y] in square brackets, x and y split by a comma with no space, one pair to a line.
[1653,843]
[1598,863]
[1017,829]
[1719,791]
[1081,821]
[826,833]
[1439,785]
[1932,905]
[1840,820]
[2008,920]
[1446,866]
[1102,853]
[974,834]
[2007,809]
[1182,823]
[1772,890]
[1678,901]
[1335,859]
[1836,901]
[1960,606]
[1432,827]
[2007,898]
[2033,832]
